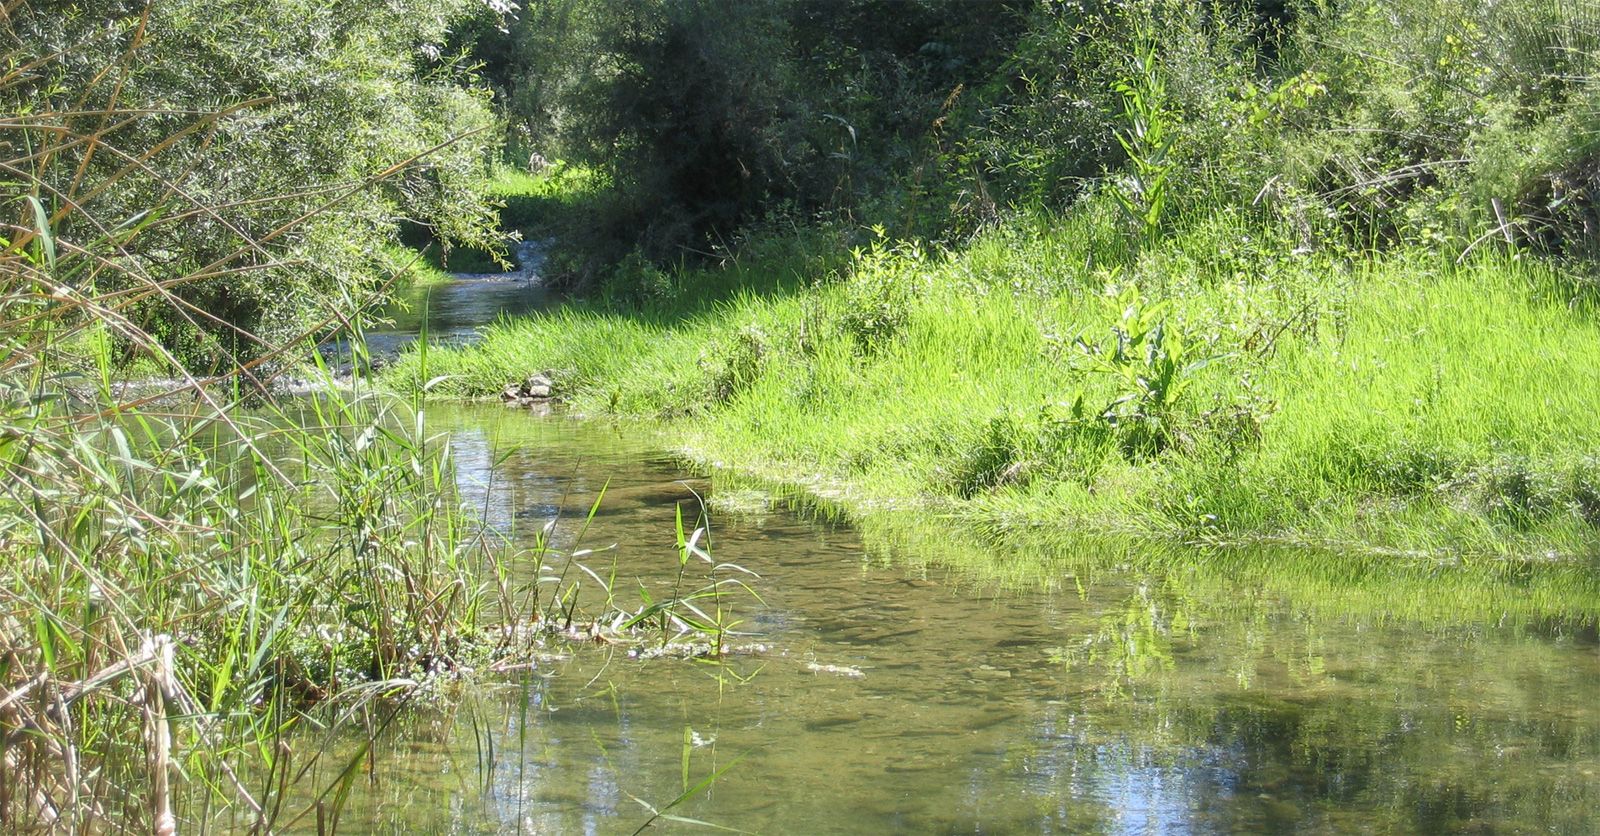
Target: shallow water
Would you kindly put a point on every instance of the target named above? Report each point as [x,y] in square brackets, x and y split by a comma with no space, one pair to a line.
[895,696]
[454,311]
[935,683]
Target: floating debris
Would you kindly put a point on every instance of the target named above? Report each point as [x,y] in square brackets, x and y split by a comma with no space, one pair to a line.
[837,670]
[695,650]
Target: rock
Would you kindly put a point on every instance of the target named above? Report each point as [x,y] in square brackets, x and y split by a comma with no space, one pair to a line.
[1016,474]
[537,388]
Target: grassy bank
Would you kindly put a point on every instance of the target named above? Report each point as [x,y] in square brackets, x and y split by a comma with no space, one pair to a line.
[526,204]
[1224,385]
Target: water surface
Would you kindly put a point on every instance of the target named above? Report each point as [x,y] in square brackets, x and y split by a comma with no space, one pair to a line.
[917,678]
[453,312]
[897,696]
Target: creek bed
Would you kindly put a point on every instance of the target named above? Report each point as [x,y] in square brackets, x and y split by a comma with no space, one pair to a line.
[1068,694]
[894,696]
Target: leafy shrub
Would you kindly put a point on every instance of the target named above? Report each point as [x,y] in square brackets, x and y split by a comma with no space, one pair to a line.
[706,116]
[1412,470]
[1015,450]
[1145,133]
[1153,364]
[884,281]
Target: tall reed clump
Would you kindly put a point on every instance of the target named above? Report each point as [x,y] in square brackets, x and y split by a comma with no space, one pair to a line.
[183,581]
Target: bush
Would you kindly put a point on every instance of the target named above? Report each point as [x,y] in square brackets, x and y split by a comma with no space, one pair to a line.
[325,106]
[732,362]
[884,282]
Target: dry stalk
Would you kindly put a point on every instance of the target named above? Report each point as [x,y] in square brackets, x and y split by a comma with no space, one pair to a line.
[158,734]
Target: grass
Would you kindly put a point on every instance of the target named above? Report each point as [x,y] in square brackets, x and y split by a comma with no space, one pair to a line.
[533,199]
[416,269]
[196,583]
[1386,402]
[529,204]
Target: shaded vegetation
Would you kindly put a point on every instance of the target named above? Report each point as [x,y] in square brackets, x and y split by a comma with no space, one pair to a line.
[293,136]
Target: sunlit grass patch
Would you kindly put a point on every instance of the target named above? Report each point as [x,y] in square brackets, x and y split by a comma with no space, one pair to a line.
[1219,387]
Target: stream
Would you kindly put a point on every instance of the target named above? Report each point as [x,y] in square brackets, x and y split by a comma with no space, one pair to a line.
[933,685]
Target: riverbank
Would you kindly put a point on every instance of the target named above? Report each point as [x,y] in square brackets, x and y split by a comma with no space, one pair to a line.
[1228,385]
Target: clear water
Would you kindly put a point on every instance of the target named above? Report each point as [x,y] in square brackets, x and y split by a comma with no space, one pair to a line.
[932,682]
[453,312]
[1089,695]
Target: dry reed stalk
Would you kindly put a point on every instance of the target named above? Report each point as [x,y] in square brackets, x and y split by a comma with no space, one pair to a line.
[158,734]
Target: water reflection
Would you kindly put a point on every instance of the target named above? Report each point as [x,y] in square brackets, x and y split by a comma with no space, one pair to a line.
[1168,700]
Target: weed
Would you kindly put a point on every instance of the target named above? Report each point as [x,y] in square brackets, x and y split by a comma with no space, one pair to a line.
[1146,136]
[1153,365]
[732,362]
[879,293]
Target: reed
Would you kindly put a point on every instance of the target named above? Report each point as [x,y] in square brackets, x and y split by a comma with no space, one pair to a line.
[192,571]
[204,584]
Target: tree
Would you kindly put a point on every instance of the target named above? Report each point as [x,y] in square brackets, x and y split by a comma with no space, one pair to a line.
[346,110]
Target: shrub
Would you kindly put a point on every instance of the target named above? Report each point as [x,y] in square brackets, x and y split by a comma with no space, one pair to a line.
[324,106]
[883,282]
[733,361]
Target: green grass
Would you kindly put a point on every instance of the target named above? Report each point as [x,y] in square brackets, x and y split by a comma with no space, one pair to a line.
[416,269]
[529,203]
[533,199]
[1393,403]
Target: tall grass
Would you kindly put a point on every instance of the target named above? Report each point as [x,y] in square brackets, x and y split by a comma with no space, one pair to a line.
[1399,402]
[195,579]
[183,580]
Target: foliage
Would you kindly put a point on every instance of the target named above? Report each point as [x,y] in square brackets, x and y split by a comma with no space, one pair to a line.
[883,284]
[1146,138]
[1247,393]
[193,589]
[1153,365]
[327,108]
[703,118]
